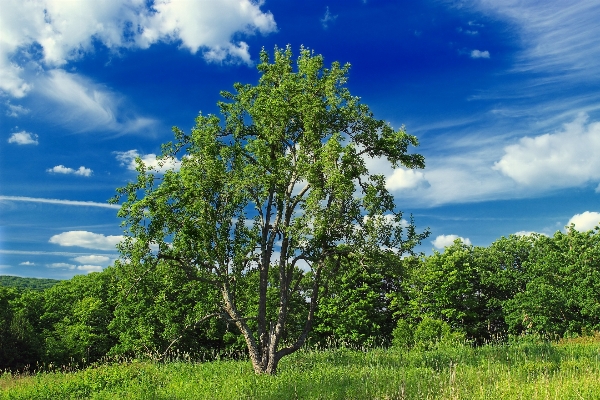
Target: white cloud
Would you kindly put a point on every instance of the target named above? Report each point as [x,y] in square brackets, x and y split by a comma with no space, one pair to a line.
[443,241]
[598,188]
[86,268]
[529,233]
[46,253]
[61,265]
[327,18]
[61,169]
[563,159]
[16,110]
[556,35]
[207,25]
[127,159]
[86,239]
[89,268]
[96,259]
[83,105]
[57,201]
[585,221]
[27,263]
[405,179]
[23,138]
[480,54]
[48,33]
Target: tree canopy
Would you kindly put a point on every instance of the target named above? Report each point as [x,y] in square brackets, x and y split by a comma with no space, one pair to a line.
[275,186]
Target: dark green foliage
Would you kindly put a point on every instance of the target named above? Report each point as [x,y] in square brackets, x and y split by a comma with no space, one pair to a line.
[27,283]
[76,317]
[402,335]
[160,312]
[430,331]
[562,293]
[355,302]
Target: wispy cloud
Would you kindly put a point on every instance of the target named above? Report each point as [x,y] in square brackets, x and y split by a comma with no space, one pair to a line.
[16,110]
[47,253]
[23,138]
[61,169]
[82,105]
[61,202]
[327,18]
[557,35]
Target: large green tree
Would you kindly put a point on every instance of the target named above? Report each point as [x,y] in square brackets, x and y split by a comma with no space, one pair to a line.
[277,187]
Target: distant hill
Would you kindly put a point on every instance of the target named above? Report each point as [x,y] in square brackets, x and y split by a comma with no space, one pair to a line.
[27,283]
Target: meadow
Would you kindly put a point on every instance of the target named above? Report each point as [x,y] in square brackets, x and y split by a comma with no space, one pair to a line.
[523,369]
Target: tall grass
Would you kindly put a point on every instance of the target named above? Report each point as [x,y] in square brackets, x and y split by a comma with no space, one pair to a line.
[521,370]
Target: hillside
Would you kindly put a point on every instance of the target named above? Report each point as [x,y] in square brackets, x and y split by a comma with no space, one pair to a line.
[27,283]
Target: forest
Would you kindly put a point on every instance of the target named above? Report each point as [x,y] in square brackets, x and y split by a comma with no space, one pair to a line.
[539,286]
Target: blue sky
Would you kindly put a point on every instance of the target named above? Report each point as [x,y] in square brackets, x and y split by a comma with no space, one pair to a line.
[503,96]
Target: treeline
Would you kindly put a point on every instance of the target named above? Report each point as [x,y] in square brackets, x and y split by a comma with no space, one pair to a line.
[27,283]
[519,285]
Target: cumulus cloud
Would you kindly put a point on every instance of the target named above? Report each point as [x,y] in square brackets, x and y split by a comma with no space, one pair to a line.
[443,241]
[89,268]
[405,179]
[86,239]
[480,54]
[563,159]
[27,263]
[61,169]
[23,138]
[48,33]
[127,159]
[92,259]
[585,221]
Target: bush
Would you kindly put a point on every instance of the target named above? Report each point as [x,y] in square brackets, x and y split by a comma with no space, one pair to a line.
[402,335]
[431,332]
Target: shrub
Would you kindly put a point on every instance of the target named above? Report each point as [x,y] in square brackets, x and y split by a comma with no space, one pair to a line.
[402,335]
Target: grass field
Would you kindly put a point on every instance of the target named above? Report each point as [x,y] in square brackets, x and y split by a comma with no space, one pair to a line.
[567,370]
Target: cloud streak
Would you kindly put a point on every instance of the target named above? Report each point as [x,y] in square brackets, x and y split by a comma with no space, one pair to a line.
[60,202]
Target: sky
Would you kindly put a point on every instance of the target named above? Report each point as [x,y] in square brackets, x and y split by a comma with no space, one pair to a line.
[504,97]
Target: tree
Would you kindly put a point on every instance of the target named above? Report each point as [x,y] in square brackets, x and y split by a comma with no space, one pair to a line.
[279,189]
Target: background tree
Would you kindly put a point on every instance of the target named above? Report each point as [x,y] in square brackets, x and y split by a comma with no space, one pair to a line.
[561,294]
[277,187]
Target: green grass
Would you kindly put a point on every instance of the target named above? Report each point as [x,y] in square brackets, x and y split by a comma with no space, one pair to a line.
[518,371]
